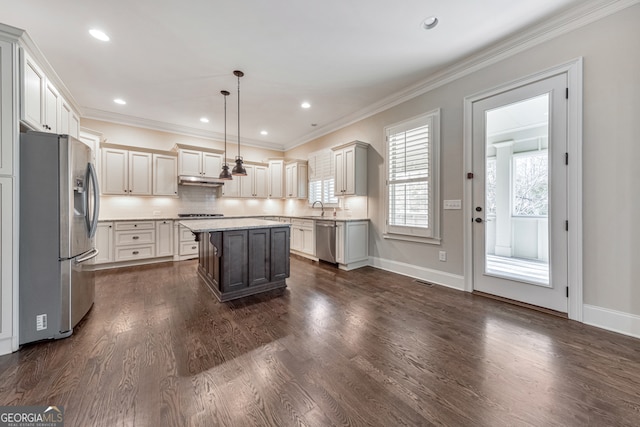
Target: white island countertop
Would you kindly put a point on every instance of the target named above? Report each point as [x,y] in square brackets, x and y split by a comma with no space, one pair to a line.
[202,225]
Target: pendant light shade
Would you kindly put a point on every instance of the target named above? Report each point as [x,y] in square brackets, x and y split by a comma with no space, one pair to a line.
[239,169]
[225,174]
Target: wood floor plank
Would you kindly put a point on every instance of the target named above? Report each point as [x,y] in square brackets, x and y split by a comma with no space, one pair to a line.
[335,348]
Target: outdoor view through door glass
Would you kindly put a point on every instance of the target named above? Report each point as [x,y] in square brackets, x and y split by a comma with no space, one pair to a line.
[517,188]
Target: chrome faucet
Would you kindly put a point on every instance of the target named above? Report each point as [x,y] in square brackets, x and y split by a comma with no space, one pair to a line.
[321,205]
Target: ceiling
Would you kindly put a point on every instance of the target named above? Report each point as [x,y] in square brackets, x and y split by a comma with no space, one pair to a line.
[169,60]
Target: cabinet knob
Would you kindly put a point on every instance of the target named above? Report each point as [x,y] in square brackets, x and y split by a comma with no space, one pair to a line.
[135,225]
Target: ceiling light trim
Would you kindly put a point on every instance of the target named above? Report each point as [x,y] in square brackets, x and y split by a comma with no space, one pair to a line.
[571,20]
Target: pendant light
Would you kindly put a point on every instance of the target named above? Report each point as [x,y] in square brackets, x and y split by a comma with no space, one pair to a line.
[239,169]
[225,174]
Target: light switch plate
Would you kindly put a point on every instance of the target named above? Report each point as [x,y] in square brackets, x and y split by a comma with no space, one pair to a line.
[453,204]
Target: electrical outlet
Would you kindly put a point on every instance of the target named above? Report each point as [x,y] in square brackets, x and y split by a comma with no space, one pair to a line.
[442,256]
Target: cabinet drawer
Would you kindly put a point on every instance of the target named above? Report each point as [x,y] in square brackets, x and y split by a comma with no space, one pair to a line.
[189,248]
[137,225]
[134,252]
[302,223]
[186,235]
[135,237]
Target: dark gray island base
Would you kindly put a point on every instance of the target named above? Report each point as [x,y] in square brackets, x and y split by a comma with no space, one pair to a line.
[238,258]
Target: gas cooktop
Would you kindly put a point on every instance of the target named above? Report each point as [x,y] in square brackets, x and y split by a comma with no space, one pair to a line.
[200,215]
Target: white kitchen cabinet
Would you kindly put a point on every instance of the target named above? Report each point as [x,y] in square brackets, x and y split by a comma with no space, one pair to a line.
[255,184]
[8,121]
[104,243]
[199,163]
[231,188]
[303,236]
[74,125]
[351,169]
[164,238]
[33,84]
[134,240]
[352,244]
[188,247]
[43,108]
[276,179]
[51,107]
[69,122]
[126,172]
[296,179]
[7,254]
[165,175]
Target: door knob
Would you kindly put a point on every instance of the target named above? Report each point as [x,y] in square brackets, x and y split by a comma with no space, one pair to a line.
[478,220]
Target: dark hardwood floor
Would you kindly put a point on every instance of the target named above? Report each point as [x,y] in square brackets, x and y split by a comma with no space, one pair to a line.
[357,348]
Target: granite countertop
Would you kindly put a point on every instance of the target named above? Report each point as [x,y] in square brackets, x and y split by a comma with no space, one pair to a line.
[200,225]
[176,218]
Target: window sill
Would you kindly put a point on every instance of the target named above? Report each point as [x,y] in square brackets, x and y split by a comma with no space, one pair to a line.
[406,238]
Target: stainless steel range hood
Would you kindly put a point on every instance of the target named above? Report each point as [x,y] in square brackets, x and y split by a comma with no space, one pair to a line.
[199,181]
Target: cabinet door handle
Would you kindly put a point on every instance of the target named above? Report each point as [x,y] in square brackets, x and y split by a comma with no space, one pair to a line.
[135,237]
[135,252]
[193,247]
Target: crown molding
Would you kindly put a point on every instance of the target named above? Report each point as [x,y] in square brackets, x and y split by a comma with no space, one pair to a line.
[565,22]
[123,119]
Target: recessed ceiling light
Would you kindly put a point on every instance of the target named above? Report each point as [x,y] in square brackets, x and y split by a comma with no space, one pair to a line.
[430,23]
[120,101]
[264,132]
[204,120]
[100,35]
[305,105]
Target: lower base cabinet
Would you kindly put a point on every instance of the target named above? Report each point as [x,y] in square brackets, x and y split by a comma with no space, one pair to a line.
[133,242]
[239,263]
[352,244]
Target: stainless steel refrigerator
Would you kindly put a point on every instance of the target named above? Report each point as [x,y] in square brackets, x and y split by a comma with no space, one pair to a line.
[59,206]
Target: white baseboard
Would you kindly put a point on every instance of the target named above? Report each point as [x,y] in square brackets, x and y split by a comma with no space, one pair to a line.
[612,320]
[428,275]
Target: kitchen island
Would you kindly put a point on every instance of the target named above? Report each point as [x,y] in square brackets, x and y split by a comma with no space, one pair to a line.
[241,257]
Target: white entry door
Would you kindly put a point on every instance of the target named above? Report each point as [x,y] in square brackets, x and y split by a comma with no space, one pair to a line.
[520,194]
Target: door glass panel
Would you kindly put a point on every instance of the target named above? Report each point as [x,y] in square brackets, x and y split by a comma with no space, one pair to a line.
[517,191]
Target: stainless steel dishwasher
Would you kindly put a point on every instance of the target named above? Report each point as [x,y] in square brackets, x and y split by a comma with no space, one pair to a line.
[326,240]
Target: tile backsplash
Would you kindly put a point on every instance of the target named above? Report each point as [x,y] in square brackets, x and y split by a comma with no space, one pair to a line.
[191,199]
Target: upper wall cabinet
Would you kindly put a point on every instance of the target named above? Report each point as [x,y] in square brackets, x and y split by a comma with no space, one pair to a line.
[351,169]
[165,175]
[254,185]
[199,163]
[296,179]
[276,178]
[126,172]
[42,107]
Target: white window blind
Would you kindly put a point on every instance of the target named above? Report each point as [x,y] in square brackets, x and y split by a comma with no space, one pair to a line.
[411,149]
[322,182]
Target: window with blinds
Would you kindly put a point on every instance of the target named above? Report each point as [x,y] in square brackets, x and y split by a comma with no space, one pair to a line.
[321,178]
[411,169]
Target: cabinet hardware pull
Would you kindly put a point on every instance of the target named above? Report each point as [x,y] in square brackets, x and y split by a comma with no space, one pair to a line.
[135,252]
[135,237]
[193,247]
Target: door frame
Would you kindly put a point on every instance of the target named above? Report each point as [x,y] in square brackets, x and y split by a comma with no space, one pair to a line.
[573,70]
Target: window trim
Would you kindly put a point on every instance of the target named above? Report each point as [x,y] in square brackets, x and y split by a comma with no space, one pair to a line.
[434,180]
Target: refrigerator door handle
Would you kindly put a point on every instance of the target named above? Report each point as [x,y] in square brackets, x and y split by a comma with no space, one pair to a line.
[93,222]
[86,256]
